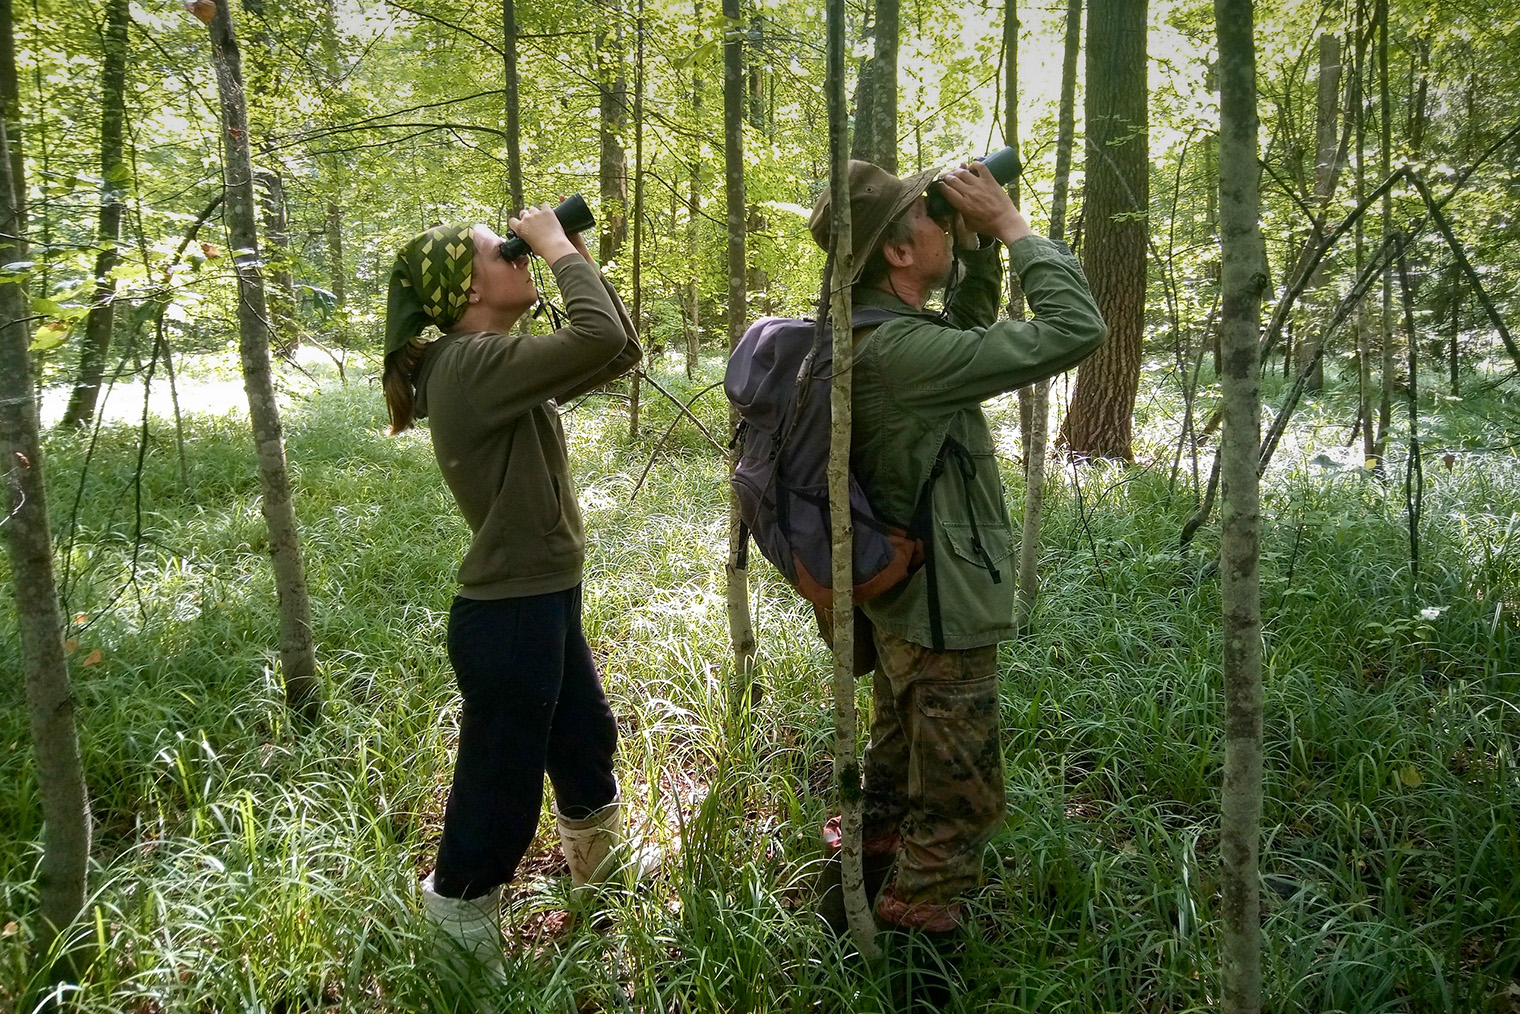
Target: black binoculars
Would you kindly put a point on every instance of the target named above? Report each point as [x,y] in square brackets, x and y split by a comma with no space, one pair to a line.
[1005,165]
[572,214]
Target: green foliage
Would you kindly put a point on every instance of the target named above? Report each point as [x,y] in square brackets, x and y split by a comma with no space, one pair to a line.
[246,865]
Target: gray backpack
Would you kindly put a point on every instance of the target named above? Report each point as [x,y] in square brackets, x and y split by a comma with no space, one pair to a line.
[779,386]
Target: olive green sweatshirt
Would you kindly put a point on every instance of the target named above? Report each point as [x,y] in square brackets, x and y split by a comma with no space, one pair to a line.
[491,402]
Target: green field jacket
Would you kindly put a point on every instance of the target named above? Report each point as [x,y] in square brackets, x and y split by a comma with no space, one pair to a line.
[919,384]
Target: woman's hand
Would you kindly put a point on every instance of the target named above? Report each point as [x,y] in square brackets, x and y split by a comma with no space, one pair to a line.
[577,241]
[541,230]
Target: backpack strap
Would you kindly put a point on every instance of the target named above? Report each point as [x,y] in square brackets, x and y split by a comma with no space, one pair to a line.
[923,529]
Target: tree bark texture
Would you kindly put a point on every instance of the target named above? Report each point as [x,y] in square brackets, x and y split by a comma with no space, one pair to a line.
[741,629]
[10,111]
[61,874]
[336,277]
[847,774]
[612,89]
[101,320]
[638,212]
[298,661]
[1326,171]
[281,291]
[509,95]
[1385,167]
[1066,120]
[1099,422]
[1244,281]
[876,92]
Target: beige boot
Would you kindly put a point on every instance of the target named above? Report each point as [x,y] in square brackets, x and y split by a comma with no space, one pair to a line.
[467,928]
[589,843]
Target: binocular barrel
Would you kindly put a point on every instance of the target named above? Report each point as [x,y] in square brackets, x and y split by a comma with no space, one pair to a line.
[572,214]
[1005,165]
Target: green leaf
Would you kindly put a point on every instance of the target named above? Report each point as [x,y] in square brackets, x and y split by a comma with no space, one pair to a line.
[49,336]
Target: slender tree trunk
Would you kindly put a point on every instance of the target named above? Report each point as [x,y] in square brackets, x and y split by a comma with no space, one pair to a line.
[509,95]
[29,543]
[1385,166]
[281,292]
[846,758]
[638,212]
[612,87]
[337,278]
[1099,423]
[1363,326]
[1038,395]
[1066,120]
[1034,401]
[1244,282]
[1326,170]
[1453,354]
[297,652]
[113,179]
[741,631]
[693,225]
[10,110]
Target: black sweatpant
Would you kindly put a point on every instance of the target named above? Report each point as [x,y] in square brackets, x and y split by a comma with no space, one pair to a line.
[532,704]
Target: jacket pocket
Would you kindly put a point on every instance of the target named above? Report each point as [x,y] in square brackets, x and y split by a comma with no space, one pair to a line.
[987,544]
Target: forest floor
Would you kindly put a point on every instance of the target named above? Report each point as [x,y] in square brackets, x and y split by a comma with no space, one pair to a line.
[243,863]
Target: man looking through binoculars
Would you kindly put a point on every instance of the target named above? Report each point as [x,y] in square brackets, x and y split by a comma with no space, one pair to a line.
[934,791]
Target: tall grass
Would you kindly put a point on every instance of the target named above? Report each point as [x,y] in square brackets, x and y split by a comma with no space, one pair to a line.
[243,864]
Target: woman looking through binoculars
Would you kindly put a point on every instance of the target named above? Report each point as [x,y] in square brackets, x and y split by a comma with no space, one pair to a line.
[532,700]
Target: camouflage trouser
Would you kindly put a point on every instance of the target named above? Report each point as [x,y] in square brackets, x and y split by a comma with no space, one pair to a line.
[933,773]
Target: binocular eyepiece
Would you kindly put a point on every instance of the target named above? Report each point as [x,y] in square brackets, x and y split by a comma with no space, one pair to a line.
[1005,165]
[572,214]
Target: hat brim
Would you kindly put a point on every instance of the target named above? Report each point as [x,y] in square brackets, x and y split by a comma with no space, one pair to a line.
[912,189]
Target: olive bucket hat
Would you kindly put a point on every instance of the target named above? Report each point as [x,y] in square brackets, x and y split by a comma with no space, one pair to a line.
[877,198]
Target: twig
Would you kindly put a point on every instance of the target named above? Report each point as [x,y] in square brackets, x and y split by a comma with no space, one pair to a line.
[664,437]
[717,444]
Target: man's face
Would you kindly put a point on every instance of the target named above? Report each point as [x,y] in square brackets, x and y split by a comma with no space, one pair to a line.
[931,242]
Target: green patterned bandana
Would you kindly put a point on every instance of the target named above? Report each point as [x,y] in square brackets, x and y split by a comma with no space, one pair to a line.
[430,283]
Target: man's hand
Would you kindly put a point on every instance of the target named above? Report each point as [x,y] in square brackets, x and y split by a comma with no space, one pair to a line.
[541,230]
[983,205]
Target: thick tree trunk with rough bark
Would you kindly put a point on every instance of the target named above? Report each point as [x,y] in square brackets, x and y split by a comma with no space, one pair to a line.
[1099,422]
[102,317]
[298,661]
[741,630]
[1326,171]
[1244,283]
[29,543]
